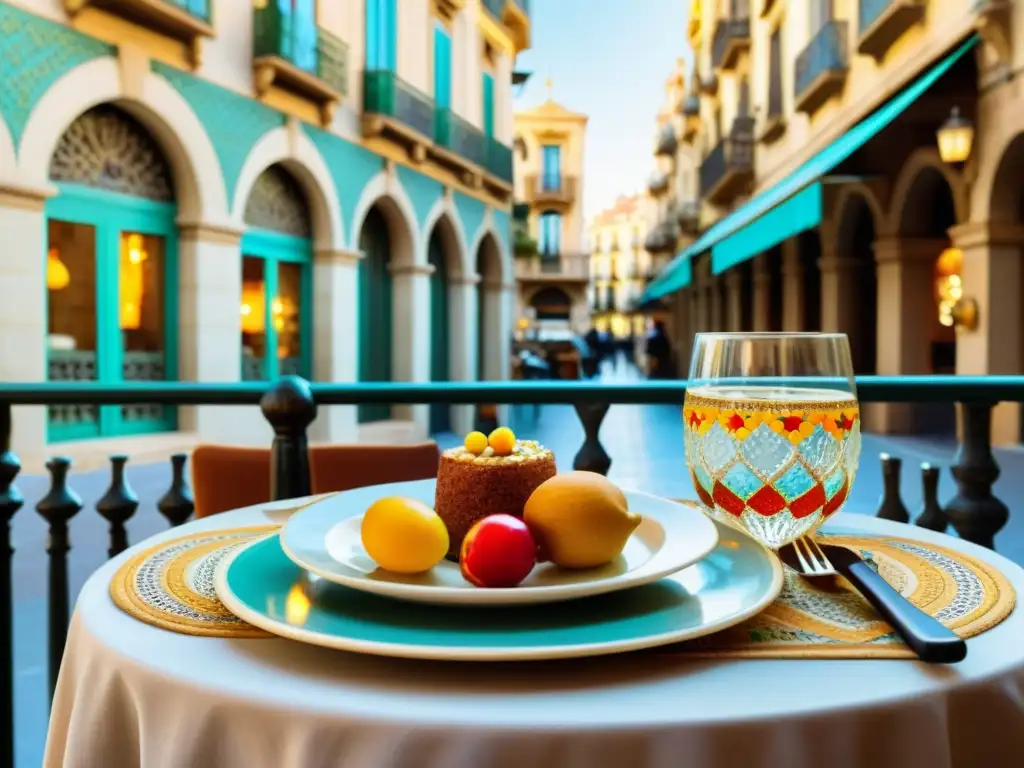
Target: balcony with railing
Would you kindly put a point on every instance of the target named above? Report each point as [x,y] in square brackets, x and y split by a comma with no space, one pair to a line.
[728,170]
[514,14]
[293,53]
[732,36]
[188,21]
[554,267]
[392,106]
[880,23]
[550,190]
[821,68]
[459,138]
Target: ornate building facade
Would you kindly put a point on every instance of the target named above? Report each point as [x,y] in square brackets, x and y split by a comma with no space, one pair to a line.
[203,191]
[552,267]
[860,172]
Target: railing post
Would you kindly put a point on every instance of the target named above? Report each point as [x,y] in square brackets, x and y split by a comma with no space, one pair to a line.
[974,512]
[891,506]
[932,517]
[592,456]
[10,502]
[289,408]
[57,507]
[177,505]
[117,505]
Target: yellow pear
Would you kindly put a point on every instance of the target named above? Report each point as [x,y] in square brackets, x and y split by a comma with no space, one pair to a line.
[580,519]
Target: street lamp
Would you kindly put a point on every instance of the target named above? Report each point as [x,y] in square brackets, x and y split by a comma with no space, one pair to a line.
[955,136]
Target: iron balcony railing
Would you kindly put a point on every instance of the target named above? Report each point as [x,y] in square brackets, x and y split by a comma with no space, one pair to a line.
[198,8]
[385,93]
[880,23]
[733,154]
[499,159]
[460,137]
[496,8]
[731,34]
[299,41]
[827,53]
[290,405]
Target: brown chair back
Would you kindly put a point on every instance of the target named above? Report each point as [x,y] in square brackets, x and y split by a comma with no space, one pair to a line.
[228,477]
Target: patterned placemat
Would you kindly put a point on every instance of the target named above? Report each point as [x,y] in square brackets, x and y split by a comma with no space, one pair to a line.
[171,586]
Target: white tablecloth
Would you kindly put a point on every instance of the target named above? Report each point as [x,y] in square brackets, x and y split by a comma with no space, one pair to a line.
[134,695]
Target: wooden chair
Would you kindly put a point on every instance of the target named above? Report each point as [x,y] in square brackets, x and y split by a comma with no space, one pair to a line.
[228,477]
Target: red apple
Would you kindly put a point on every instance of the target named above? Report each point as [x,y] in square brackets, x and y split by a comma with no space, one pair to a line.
[499,551]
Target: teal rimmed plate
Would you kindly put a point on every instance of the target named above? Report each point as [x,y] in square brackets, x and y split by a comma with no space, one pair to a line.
[259,584]
[324,538]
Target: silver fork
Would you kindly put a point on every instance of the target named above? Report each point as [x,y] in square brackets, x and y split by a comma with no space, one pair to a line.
[929,638]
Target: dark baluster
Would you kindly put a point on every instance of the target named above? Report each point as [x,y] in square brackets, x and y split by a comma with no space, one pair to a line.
[177,505]
[58,506]
[974,512]
[891,506]
[118,505]
[10,502]
[592,456]
[932,517]
[289,408]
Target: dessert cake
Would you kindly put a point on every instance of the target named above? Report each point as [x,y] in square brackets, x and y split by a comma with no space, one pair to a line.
[472,485]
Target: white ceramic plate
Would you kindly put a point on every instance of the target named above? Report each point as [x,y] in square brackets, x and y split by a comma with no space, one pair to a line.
[739,579]
[324,539]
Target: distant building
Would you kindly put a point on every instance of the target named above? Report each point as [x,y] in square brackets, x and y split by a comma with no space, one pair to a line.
[318,188]
[552,266]
[861,172]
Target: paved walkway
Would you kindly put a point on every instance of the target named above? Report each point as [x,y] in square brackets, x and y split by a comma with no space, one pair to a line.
[645,443]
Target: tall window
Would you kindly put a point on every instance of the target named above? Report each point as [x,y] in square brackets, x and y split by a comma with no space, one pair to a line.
[488,99]
[744,105]
[301,15]
[775,74]
[551,167]
[550,234]
[442,66]
[381,35]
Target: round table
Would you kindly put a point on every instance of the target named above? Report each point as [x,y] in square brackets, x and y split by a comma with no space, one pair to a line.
[131,694]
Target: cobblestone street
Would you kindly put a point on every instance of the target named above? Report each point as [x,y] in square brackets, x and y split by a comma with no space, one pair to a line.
[645,443]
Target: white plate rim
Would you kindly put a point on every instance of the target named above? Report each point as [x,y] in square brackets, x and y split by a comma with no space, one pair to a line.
[474,653]
[644,574]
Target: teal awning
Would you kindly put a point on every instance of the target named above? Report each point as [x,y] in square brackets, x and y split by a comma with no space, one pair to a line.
[794,204]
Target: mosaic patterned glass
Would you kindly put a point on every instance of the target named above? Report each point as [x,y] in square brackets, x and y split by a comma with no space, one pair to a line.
[773,456]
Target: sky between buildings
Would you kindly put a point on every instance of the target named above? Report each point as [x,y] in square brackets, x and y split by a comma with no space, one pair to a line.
[607,59]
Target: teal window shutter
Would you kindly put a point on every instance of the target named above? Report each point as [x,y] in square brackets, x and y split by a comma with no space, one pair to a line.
[304,34]
[551,173]
[373,34]
[390,45]
[488,97]
[442,66]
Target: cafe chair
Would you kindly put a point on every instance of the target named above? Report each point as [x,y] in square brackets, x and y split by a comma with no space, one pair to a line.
[228,477]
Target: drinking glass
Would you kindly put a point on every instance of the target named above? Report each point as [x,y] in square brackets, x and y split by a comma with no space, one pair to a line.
[772,430]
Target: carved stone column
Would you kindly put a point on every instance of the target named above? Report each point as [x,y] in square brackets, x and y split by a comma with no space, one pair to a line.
[992,277]
[762,279]
[463,292]
[792,286]
[410,341]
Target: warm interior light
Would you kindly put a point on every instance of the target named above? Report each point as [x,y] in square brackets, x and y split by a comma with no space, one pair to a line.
[956,137]
[57,275]
[949,288]
[131,281]
[251,309]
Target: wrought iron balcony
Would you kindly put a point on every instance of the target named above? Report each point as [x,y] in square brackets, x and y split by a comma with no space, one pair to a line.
[658,183]
[300,57]
[514,14]
[460,137]
[688,216]
[391,105]
[664,238]
[554,267]
[666,143]
[186,20]
[732,38]
[550,190]
[821,68]
[729,168]
[881,23]
[499,160]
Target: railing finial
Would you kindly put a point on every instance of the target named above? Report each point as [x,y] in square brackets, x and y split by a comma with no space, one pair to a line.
[289,408]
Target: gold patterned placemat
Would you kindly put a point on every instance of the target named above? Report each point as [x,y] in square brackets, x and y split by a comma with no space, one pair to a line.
[171,586]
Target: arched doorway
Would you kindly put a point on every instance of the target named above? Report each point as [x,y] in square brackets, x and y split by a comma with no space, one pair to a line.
[443,256]
[489,305]
[928,212]
[551,304]
[277,279]
[112,271]
[375,302]
[858,310]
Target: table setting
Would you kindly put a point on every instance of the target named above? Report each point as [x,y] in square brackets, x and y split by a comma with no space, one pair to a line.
[507,614]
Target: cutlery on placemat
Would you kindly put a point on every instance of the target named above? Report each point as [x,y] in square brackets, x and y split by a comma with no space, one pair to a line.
[927,637]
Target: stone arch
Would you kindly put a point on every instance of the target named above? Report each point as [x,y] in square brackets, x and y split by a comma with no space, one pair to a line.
[292,149]
[386,192]
[445,216]
[277,202]
[551,299]
[152,101]
[919,178]
[1005,198]
[858,193]
[491,317]
[8,158]
[487,230]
